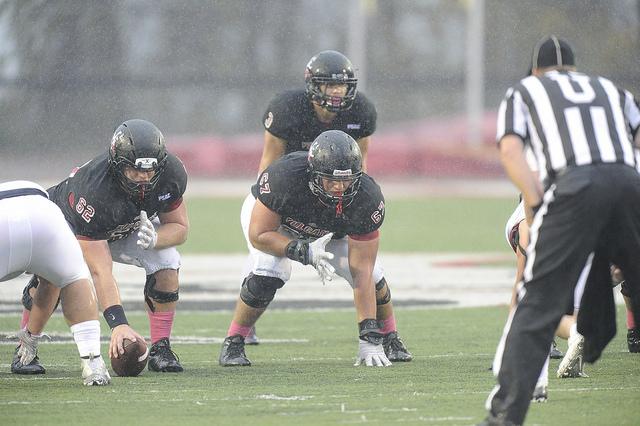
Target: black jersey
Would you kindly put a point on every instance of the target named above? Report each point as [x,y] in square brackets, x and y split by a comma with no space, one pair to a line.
[97,207]
[284,188]
[290,116]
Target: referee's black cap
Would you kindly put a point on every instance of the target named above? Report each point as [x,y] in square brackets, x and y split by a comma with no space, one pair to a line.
[552,51]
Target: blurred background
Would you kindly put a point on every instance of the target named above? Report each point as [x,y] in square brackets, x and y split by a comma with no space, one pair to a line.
[204,72]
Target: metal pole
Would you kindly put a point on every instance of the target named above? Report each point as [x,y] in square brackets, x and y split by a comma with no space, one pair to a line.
[475,72]
[356,39]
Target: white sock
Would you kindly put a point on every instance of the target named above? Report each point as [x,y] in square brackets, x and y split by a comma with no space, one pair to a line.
[87,337]
[543,378]
[573,331]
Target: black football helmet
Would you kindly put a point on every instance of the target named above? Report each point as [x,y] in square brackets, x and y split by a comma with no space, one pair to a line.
[330,67]
[138,144]
[334,155]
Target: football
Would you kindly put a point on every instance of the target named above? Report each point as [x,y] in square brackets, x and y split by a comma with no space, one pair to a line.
[134,359]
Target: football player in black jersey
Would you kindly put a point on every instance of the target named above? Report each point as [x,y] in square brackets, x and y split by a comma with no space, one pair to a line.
[330,101]
[320,209]
[295,118]
[126,206]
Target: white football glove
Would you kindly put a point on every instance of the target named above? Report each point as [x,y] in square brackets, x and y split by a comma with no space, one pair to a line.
[372,355]
[319,258]
[28,348]
[147,235]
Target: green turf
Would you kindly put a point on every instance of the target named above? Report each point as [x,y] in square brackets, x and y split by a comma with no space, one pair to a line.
[314,382]
[425,224]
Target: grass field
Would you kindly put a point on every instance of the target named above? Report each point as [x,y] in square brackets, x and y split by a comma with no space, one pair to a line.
[303,373]
[422,225]
[307,378]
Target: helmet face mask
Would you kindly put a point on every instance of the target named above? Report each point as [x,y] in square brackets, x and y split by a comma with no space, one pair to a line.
[137,145]
[334,161]
[329,68]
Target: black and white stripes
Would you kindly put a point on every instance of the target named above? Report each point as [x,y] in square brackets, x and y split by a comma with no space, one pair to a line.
[571,119]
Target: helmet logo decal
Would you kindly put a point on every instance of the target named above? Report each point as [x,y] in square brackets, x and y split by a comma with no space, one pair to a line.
[342,172]
[146,163]
[117,136]
[269,120]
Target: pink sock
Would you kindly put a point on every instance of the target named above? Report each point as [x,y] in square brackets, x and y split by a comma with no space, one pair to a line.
[160,324]
[25,318]
[389,325]
[235,328]
[631,323]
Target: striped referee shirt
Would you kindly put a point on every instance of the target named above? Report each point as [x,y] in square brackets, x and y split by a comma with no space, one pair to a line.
[571,119]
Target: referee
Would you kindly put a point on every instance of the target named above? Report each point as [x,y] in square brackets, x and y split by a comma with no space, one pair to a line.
[583,212]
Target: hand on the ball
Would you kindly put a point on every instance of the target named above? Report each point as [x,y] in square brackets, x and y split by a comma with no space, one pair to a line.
[118,334]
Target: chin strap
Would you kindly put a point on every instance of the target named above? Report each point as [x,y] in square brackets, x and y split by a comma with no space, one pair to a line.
[339,208]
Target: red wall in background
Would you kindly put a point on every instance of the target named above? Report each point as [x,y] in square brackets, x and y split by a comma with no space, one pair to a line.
[432,147]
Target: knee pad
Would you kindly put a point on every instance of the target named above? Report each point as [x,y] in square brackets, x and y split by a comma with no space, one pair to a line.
[387,296]
[27,300]
[258,291]
[151,294]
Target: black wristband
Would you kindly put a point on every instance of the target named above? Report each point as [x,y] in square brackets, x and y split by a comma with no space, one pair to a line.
[370,331]
[115,316]
[298,250]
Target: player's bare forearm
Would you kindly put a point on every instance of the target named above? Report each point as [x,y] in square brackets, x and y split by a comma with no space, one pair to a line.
[273,148]
[362,258]
[170,235]
[263,231]
[363,143]
[98,258]
[174,227]
[271,242]
[106,290]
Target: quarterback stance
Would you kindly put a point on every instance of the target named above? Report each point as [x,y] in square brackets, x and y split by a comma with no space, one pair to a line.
[35,238]
[126,206]
[320,209]
[295,118]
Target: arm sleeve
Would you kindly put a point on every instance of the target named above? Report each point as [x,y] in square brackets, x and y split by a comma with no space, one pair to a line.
[512,116]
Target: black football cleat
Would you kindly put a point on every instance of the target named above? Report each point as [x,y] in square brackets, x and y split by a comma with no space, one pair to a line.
[34,367]
[555,353]
[232,353]
[394,348]
[633,340]
[162,358]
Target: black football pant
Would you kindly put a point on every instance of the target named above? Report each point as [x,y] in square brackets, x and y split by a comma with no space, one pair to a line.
[590,215]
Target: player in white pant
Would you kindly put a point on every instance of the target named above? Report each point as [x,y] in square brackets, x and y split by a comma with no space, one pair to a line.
[35,238]
[517,236]
[261,263]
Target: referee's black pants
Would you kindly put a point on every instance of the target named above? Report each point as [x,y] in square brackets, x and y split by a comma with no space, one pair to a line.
[589,216]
